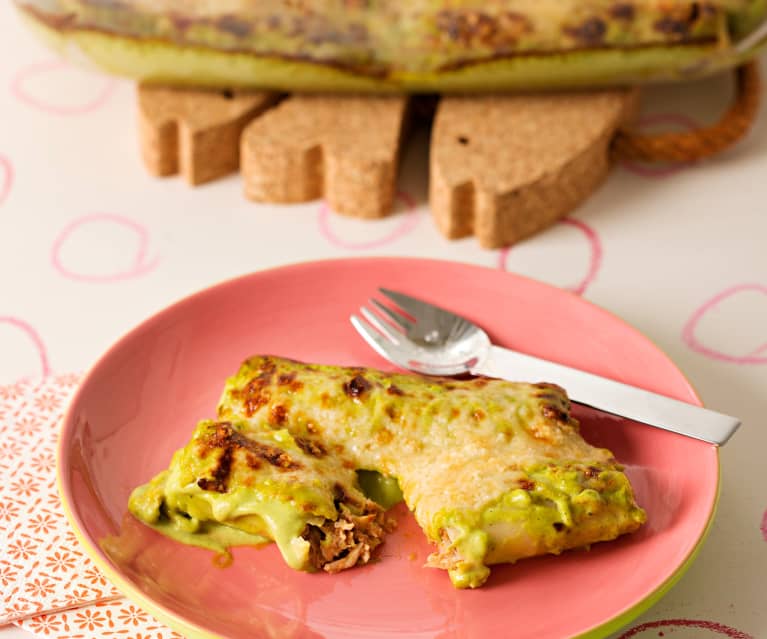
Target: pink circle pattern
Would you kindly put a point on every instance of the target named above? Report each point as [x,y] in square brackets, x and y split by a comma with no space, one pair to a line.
[20,91]
[409,222]
[34,336]
[595,260]
[757,356]
[6,178]
[678,120]
[764,526]
[672,624]
[141,265]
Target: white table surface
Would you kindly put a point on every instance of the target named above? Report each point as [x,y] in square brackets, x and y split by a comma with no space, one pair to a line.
[90,245]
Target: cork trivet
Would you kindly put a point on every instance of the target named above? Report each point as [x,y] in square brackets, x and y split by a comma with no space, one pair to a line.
[195,132]
[505,167]
[342,147]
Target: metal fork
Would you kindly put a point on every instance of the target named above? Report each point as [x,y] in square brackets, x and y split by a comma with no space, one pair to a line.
[431,340]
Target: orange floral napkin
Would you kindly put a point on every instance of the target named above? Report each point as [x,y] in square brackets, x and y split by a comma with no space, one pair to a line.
[42,567]
[116,619]
[50,588]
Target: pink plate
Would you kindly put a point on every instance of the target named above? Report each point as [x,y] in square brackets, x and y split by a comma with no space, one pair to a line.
[141,400]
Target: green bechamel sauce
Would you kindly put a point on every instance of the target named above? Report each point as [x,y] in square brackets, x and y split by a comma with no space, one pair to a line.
[150,502]
[553,484]
[279,520]
[385,491]
[471,572]
[210,535]
[146,503]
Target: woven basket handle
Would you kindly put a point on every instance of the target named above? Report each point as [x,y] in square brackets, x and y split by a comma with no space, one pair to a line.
[702,143]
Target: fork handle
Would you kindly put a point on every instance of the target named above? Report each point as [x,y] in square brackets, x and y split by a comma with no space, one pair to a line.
[613,397]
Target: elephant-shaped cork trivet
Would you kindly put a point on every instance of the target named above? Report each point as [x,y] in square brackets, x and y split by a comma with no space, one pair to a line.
[502,167]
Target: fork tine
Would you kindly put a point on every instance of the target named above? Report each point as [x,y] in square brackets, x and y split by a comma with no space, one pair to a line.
[400,320]
[374,339]
[415,307]
[382,327]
